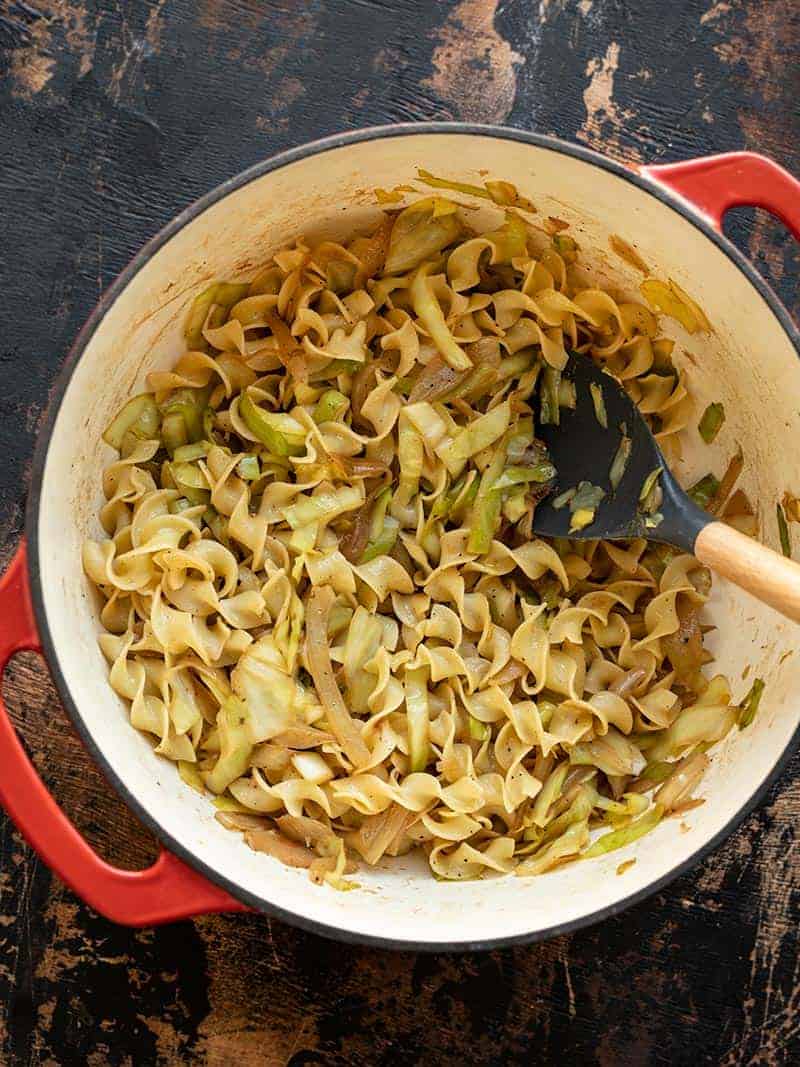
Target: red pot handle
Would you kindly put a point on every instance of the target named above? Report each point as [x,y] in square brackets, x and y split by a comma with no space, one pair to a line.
[166,891]
[714,184]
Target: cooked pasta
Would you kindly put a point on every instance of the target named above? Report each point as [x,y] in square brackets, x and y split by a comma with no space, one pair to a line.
[322,596]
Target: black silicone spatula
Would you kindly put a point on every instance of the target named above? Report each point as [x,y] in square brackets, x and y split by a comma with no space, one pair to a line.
[583,451]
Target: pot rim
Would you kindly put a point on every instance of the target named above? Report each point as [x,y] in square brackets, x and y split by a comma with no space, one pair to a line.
[318,147]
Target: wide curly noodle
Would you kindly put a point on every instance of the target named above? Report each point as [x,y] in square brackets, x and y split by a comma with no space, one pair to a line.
[324,604]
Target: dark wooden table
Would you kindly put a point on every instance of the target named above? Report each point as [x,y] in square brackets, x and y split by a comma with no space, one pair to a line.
[113,117]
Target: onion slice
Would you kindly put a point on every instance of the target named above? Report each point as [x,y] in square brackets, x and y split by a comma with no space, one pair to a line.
[275,844]
[373,254]
[377,832]
[354,542]
[291,354]
[437,379]
[341,723]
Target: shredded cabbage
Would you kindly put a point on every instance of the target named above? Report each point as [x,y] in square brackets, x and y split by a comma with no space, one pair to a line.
[419,232]
[477,436]
[711,422]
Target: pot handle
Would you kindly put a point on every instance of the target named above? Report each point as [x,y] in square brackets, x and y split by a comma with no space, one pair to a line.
[714,184]
[166,891]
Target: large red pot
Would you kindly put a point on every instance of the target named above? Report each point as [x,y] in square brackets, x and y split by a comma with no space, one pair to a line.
[674,214]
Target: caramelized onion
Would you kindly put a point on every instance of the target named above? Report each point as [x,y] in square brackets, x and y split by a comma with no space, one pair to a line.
[363,381]
[373,255]
[318,657]
[437,379]
[303,737]
[379,831]
[275,844]
[688,772]
[354,542]
[625,685]
[309,832]
[684,648]
[291,355]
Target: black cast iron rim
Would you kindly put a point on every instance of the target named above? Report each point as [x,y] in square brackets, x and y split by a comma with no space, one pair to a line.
[263,904]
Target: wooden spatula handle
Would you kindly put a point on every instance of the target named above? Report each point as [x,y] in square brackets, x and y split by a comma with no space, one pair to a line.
[771,578]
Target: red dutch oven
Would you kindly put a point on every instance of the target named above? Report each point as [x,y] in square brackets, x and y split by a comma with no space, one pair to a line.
[674,215]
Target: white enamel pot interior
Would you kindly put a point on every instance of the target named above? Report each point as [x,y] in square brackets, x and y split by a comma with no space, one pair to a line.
[750,364]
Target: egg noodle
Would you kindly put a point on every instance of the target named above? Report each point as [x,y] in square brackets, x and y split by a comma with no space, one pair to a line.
[321,591]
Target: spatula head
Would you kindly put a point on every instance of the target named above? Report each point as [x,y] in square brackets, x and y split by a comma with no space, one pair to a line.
[583,450]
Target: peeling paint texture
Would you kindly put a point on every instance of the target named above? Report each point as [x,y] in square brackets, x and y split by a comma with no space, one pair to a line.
[605,120]
[115,116]
[474,67]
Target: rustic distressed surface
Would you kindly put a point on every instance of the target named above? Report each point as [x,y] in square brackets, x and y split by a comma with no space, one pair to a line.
[113,117]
